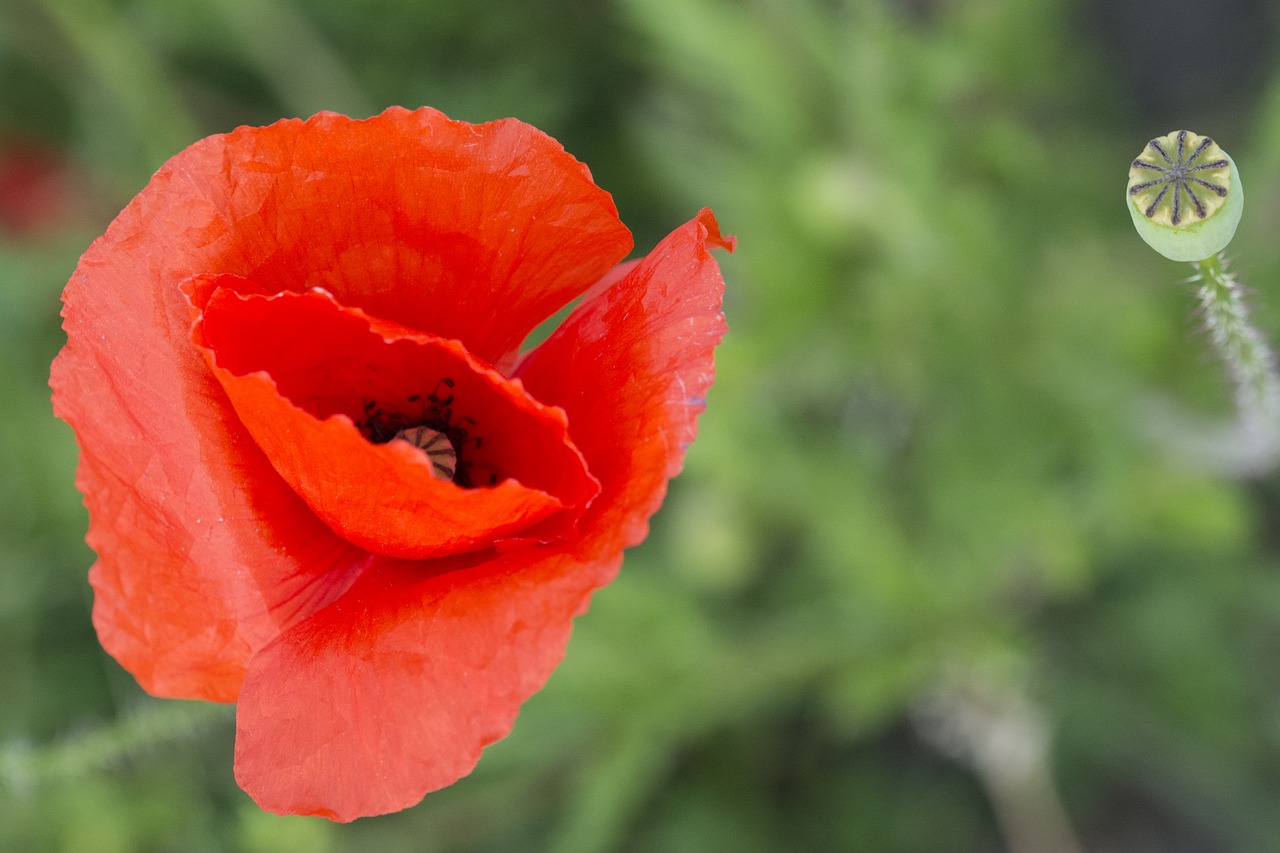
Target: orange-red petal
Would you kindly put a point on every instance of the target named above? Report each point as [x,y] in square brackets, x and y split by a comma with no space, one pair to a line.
[394,690]
[204,553]
[631,367]
[304,373]
[471,232]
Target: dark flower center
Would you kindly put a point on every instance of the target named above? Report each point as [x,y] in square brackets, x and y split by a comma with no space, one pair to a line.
[435,428]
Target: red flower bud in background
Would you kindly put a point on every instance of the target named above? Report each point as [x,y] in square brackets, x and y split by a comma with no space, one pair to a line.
[323,482]
[36,189]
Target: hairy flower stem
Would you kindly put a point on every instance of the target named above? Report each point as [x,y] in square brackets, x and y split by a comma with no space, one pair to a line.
[996,729]
[24,767]
[1249,360]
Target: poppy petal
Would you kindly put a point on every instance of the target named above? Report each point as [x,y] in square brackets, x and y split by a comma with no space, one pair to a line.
[310,380]
[408,215]
[394,690]
[631,367]
[204,553]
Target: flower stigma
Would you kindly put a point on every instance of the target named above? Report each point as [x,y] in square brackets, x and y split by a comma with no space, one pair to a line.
[1177,170]
[441,452]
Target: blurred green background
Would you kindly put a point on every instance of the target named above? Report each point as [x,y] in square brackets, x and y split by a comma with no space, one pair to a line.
[954,565]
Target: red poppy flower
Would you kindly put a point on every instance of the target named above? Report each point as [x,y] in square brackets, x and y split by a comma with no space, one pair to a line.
[322,480]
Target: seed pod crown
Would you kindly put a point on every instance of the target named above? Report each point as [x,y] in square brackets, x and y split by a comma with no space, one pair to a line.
[1184,195]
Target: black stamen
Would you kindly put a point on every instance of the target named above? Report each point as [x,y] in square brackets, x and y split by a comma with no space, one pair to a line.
[436,412]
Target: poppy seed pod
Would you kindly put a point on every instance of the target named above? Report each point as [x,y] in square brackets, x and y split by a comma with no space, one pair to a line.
[1185,196]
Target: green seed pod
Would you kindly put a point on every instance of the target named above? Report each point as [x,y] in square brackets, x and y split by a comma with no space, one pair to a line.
[1185,196]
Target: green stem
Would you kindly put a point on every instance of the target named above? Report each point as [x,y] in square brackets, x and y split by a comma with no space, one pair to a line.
[999,732]
[152,724]
[1249,361]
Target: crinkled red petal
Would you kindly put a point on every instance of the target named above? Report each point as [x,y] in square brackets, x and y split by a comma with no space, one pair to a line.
[395,689]
[204,553]
[310,379]
[631,367]
[471,232]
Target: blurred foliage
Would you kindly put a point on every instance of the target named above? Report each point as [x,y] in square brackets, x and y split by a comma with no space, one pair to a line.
[938,443]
